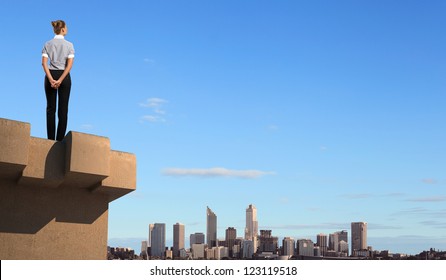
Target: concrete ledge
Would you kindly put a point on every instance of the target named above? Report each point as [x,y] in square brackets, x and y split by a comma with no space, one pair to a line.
[46,164]
[14,146]
[54,196]
[80,160]
[123,176]
[87,159]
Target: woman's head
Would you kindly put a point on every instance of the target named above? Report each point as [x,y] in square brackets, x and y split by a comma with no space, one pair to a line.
[59,27]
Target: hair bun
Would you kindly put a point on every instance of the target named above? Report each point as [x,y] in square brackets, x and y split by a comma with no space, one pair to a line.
[58,25]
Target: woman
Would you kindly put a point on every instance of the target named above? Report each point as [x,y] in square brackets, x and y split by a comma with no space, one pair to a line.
[57,61]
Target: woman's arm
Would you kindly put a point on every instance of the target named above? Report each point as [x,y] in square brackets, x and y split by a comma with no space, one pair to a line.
[65,72]
[47,70]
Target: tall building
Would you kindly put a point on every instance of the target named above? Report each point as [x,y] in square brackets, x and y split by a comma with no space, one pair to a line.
[288,245]
[143,253]
[247,249]
[322,243]
[334,240]
[343,248]
[198,251]
[359,236]
[211,228]
[157,237]
[196,238]
[178,239]
[252,226]
[267,242]
[149,242]
[231,236]
[343,235]
[305,247]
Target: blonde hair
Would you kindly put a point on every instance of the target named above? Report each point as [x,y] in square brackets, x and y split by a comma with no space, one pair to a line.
[58,25]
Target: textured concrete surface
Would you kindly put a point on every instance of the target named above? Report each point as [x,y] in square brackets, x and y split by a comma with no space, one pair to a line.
[54,196]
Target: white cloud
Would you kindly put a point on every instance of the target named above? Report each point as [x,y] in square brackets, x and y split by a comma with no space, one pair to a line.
[159,111]
[435,224]
[358,196]
[322,226]
[87,126]
[420,211]
[152,119]
[438,198]
[153,102]
[157,114]
[395,194]
[149,61]
[215,172]
[272,127]
[429,181]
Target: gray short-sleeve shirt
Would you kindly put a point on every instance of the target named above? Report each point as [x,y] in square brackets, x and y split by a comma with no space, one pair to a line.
[58,50]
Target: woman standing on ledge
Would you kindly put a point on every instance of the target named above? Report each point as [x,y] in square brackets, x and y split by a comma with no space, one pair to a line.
[60,54]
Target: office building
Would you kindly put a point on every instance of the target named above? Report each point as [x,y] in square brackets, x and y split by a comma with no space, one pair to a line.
[288,246]
[143,253]
[230,237]
[322,243]
[196,238]
[333,242]
[178,239]
[343,237]
[305,247]
[211,228]
[247,249]
[359,236]
[198,251]
[252,226]
[343,248]
[267,242]
[157,236]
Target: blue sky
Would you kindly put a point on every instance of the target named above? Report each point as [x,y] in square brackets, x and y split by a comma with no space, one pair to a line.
[320,113]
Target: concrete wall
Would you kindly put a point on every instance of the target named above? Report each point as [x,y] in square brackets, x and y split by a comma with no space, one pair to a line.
[54,196]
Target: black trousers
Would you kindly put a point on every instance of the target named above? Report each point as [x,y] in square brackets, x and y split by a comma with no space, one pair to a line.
[63,95]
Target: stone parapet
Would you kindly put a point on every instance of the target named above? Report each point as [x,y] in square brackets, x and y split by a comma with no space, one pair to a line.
[54,195]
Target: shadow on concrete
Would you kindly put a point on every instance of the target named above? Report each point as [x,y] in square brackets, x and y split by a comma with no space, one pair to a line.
[55,163]
[27,209]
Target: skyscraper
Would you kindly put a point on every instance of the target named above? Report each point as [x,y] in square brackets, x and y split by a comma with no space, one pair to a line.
[343,237]
[333,242]
[231,236]
[288,246]
[252,226]
[211,228]
[305,247]
[196,238]
[267,242]
[149,242]
[178,239]
[322,243]
[359,236]
[157,236]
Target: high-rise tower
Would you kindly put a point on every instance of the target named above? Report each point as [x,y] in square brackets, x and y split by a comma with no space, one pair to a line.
[178,239]
[359,236]
[211,228]
[288,246]
[252,226]
[157,236]
[230,237]
[322,243]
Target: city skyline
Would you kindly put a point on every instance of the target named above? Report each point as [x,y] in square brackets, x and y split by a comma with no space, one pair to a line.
[320,113]
[335,242]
